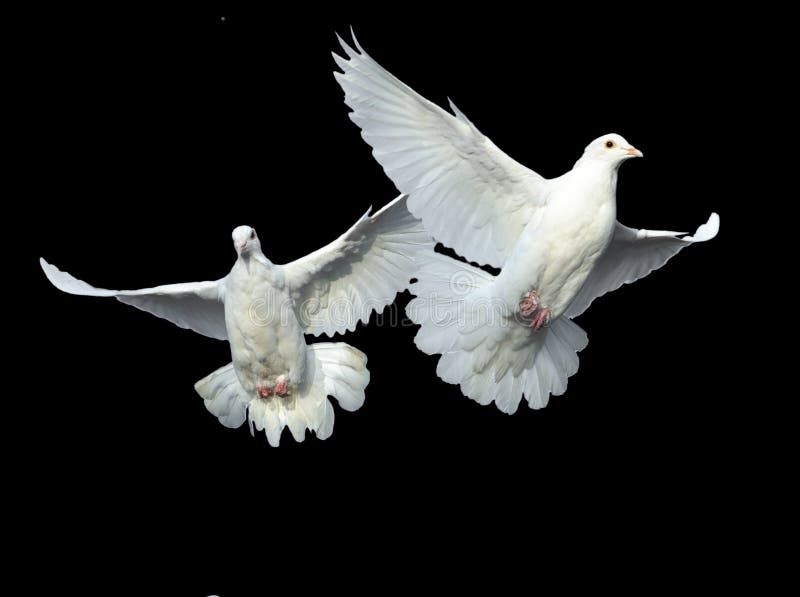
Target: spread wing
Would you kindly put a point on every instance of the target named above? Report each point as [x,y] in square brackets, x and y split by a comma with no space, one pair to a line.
[633,254]
[340,284]
[195,306]
[469,194]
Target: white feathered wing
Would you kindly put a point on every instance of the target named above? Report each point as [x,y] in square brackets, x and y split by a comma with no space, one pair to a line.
[341,284]
[197,306]
[469,194]
[631,255]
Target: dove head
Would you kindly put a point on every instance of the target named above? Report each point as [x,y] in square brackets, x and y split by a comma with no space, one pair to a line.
[245,240]
[612,149]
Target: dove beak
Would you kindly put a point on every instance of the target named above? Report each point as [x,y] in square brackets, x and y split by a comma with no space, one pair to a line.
[242,246]
[633,152]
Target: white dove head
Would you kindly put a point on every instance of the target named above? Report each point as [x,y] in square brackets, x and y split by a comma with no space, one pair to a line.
[611,148]
[245,240]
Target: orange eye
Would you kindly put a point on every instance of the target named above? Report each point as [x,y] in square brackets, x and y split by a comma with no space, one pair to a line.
[610,144]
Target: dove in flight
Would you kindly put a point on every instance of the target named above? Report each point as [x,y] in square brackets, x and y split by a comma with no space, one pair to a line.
[557,241]
[264,309]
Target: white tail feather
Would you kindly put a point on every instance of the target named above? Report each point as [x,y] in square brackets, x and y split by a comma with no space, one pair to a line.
[333,369]
[489,354]
[224,396]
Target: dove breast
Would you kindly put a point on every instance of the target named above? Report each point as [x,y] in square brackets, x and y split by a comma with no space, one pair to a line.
[560,245]
[264,333]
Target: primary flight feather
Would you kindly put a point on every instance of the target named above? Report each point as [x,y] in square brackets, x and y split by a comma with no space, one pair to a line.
[264,309]
[557,240]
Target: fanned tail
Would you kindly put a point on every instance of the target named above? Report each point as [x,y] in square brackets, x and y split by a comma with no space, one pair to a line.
[489,354]
[333,369]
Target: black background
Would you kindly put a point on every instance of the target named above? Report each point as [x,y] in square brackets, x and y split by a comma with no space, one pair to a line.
[150,136]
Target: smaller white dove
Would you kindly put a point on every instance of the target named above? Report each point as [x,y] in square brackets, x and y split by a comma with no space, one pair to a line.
[264,309]
[557,241]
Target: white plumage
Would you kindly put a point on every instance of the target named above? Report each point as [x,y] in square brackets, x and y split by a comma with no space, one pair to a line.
[558,238]
[264,309]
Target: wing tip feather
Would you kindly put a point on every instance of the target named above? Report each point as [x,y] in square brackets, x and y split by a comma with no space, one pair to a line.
[706,231]
[355,41]
[351,53]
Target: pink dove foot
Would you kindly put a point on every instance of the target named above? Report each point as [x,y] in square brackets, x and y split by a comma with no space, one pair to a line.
[541,318]
[529,303]
[282,385]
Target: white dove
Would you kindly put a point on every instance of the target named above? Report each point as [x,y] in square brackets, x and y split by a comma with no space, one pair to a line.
[264,310]
[557,241]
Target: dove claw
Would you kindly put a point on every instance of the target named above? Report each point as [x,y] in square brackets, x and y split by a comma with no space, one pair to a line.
[282,385]
[264,390]
[541,319]
[529,303]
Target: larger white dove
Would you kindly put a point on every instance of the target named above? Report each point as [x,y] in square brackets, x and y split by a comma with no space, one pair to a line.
[264,310]
[557,241]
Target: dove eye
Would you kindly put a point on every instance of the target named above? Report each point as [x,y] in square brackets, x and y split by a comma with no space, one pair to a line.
[610,144]
[252,234]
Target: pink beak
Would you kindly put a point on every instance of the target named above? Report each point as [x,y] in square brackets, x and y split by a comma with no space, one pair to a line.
[634,152]
[242,246]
